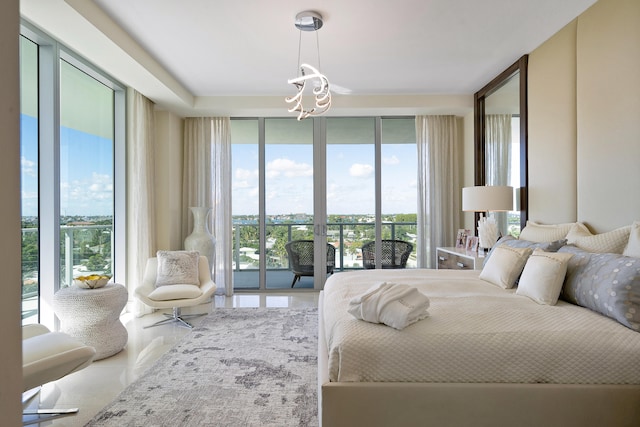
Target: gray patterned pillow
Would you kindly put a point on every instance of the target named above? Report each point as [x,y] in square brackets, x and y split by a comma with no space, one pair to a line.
[177,268]
[604,282]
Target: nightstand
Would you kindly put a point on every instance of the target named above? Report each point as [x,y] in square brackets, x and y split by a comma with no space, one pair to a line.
[458,259]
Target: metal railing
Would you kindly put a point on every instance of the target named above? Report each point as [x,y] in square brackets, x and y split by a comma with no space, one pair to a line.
[70,263]
[348,237]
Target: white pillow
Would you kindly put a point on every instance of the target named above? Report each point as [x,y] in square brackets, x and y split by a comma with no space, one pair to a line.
[543,276]
[535,232]
[613,241]
[505,265]
[633,246]
[177,268]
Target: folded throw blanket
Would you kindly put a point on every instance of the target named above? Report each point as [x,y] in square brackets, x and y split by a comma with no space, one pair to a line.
[394,305]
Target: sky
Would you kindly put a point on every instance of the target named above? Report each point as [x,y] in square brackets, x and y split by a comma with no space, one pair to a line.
[86,172]
[350,181]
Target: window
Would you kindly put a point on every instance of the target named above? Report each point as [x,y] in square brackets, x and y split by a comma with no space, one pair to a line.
[281,188]
[72,163]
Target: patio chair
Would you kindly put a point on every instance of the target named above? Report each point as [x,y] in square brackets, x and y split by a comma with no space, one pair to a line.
[394,254]
[301,258]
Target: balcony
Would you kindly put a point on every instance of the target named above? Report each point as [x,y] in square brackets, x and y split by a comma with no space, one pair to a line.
[347,237]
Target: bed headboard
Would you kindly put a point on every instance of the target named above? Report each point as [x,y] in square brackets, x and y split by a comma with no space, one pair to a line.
[584,132]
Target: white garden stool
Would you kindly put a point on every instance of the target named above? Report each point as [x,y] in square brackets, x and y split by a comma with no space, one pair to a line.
[93,316]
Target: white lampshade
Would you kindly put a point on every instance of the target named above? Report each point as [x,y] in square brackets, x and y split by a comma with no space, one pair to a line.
[488,198]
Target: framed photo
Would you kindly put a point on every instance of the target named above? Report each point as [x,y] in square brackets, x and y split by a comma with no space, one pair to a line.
[473,243]
[461,238]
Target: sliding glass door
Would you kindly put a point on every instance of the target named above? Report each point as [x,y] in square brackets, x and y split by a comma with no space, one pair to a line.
[334,181]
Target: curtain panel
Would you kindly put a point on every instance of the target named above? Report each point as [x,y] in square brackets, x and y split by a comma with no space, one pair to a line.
[498,158]
[207,182]
[439,191]
[141,219]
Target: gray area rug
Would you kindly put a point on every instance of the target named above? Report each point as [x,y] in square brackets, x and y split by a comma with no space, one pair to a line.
[239,367]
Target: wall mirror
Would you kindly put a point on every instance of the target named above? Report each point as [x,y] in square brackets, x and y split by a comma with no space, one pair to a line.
[501,140]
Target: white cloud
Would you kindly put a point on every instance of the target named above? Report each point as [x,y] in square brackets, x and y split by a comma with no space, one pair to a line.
[393,160]
[359,170]
[28,167]
[288,168]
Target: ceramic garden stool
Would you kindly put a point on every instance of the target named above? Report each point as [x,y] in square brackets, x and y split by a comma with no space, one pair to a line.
[93,316]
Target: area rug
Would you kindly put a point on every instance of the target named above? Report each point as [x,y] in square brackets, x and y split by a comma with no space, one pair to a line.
[238,367]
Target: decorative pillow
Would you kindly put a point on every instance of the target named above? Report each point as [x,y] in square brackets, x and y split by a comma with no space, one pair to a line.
[169,292]
[604,282]
[505,265]
[612,241]
[177,268]
[543,275]
[535,232]
[520,243]
[633,246]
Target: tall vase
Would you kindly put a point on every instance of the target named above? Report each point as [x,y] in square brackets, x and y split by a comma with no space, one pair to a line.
[200,238]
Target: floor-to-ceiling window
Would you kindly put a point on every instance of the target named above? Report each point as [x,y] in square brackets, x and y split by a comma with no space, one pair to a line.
[72,145]
[368,174]
[29,175]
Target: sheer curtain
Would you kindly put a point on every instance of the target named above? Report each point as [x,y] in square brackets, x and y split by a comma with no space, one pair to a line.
[498,158]
[439,188]
[207,182]
[141,219]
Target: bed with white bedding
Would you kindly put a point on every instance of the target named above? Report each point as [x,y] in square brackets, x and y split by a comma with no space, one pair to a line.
[483,356]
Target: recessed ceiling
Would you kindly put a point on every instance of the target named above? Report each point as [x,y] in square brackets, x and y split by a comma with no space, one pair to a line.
[229,48]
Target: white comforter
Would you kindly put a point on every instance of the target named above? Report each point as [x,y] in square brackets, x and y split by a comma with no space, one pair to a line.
[476,332]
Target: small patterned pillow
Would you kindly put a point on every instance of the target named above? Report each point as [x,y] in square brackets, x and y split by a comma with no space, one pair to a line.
[604,282]
[633,246]
[543,276]
[535,232]
[177,268]
[613,241]
[505,265]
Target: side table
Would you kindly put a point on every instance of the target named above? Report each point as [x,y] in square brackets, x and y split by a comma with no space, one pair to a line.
[93,316]
[458,259]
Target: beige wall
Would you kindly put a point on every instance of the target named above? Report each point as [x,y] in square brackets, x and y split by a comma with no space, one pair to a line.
[608,114]
[584,131]
[168,171]
[11,348]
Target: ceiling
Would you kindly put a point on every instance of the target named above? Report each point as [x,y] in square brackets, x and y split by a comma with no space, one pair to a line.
[200,57]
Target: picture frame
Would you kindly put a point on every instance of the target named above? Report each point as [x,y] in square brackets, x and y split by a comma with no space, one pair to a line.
[461,237]
[474,243]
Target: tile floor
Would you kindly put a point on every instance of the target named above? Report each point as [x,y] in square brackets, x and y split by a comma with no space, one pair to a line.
[95,386]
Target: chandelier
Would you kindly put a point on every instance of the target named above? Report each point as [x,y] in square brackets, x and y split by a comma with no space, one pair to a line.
[309,75]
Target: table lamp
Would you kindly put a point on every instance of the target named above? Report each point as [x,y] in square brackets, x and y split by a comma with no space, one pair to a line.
[487,199]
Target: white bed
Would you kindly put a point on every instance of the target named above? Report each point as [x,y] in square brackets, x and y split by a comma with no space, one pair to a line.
[484,356]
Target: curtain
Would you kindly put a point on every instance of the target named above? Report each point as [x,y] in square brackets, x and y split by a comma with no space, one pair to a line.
[498,158]
[207,182]
[141,220]
[439,190]
[221,214]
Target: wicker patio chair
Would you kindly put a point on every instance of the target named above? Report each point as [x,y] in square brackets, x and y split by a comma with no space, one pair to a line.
[394,254]
[301,258]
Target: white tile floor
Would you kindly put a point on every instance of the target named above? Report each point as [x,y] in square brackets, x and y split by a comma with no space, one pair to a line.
[95,386]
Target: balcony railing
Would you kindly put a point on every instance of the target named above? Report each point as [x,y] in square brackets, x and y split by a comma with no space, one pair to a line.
[346,237]
[78,243]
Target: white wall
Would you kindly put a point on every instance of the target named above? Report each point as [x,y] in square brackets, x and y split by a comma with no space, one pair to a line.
[10,317]
[584,131]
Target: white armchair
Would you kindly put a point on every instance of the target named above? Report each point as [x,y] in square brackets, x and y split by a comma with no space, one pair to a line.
[175,296]
[48,356]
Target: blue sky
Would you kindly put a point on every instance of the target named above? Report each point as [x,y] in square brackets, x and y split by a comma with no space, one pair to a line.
[350,182]
[86,171]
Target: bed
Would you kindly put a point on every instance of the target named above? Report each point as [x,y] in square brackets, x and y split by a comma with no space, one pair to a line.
[484,356]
